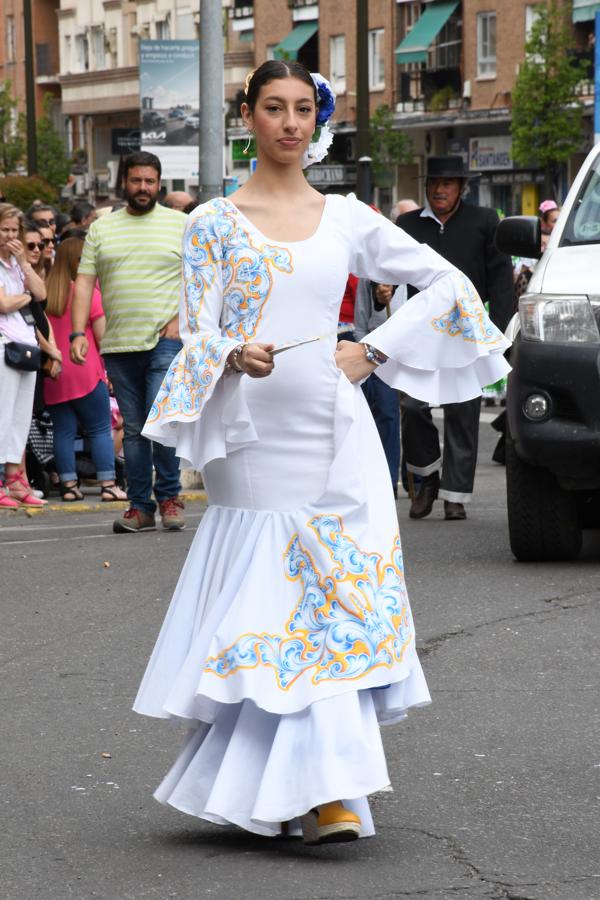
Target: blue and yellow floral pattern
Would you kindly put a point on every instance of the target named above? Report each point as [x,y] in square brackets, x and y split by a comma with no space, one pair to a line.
[217,239]
[347,623]
[218,254]
[468,319]
[190,376]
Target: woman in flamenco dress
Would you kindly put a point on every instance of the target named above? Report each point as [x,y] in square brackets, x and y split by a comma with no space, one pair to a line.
[289,638]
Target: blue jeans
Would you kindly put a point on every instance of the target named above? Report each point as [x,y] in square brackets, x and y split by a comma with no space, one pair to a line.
[93,413]
[384,403]
[136,379]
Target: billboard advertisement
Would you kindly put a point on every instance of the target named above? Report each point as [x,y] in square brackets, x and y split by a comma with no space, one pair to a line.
[169,104]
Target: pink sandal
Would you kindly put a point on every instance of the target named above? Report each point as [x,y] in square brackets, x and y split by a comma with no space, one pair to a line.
[6,502]
[20,490]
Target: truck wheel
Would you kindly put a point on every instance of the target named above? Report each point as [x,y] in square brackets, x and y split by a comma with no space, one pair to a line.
[543,522]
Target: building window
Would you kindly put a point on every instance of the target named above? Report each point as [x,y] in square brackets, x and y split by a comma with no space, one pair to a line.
[98,47]
[11,40]
[270,52]
[376,60]
[337,63]
[186,27]
[82,53]
[163,29]
[486,45]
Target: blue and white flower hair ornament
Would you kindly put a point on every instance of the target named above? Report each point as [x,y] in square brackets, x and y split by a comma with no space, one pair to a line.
[323,137]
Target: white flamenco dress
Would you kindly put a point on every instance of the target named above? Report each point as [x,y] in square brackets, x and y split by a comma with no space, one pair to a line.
[290,638]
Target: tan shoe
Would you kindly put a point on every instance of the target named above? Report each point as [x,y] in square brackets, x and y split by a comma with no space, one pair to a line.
[331,823]
[134,519]
[171,513]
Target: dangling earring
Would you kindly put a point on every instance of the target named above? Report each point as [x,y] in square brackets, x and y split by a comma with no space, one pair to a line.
[247,147]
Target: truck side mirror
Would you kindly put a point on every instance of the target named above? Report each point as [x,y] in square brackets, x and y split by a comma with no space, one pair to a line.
[520,236]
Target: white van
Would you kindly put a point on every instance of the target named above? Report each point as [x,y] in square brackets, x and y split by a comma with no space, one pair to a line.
[553,394]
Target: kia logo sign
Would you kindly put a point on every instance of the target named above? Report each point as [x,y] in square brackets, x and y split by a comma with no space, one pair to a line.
[154,137]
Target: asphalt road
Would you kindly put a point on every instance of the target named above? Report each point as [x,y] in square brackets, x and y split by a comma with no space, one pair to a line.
[496,784]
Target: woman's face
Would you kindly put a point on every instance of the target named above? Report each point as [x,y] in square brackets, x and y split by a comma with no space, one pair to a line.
[9,231]
[552,219]
[33,247]
[283,119]
[49,241]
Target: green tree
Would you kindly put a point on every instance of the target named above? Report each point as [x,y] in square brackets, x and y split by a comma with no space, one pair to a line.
[12,129]
[390,147]
[546,120]
[53,164]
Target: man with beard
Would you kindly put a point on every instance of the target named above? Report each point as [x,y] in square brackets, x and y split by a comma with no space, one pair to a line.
[135,255]
[464,235]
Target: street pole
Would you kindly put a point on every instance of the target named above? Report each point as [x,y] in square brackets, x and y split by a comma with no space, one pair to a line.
[597,80]
[212,136]
[363,169]
[29,90]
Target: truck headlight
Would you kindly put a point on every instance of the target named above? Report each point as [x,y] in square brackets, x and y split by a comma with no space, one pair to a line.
[560,318]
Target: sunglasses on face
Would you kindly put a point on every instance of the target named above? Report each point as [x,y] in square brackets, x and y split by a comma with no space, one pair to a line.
[34,245]
[46,222]
[46,242]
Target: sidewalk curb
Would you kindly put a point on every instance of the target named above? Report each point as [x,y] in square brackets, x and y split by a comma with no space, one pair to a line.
[100,506]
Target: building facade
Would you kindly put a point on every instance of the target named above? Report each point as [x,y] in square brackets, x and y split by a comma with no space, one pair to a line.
[45,54]
[445,68]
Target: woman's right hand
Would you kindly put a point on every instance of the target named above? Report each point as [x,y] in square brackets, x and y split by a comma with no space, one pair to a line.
[255,360]
[79,349]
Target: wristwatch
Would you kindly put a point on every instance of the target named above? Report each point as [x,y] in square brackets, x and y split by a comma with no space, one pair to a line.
[374,355]
[75,334]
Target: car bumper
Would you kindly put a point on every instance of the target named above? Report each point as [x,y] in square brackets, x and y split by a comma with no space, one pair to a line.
[567,441]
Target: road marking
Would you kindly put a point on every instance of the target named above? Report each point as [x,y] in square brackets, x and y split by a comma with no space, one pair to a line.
[20,528]
[84,537]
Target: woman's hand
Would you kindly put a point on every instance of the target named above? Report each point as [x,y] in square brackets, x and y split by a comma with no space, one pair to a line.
[351,359]
[55,368]
[254,360]
[18,251]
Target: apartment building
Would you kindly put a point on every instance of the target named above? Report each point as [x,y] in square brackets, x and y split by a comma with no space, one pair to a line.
[45,51]
[458,63]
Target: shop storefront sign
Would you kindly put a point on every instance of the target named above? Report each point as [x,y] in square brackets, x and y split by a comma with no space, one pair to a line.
[490,153]
[333,174]
[125,140]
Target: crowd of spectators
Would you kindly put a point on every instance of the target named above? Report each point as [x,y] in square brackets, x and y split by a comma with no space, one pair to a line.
[59,423]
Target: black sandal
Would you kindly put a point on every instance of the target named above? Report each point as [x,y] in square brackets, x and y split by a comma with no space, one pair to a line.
[111,491]
[73,489]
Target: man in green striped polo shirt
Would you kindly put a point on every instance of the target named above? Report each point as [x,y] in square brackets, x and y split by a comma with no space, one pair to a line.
[135,254]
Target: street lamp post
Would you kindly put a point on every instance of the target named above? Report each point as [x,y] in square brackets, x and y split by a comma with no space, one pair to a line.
[29,90]
[212,136]
[363,173]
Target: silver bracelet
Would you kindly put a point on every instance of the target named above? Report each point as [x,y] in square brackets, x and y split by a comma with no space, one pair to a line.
[374,355]
[233,362]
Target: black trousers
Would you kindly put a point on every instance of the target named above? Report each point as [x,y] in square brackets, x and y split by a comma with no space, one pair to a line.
[421,444]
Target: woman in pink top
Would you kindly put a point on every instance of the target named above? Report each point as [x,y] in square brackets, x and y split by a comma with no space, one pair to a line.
[79,395]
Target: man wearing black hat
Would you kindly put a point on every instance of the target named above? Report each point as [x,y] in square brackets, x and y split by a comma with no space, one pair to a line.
[464,235]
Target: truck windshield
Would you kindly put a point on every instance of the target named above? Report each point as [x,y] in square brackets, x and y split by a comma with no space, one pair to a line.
[583,224]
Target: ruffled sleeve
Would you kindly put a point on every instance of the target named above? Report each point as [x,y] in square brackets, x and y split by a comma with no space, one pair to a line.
[195,371]
[441,345]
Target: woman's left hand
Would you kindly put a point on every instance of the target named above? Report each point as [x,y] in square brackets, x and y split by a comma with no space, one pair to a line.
[55,368]
[351,359]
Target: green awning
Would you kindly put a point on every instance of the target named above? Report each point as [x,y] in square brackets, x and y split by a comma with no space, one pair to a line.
[295,40]
[585,10]
[414,47]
